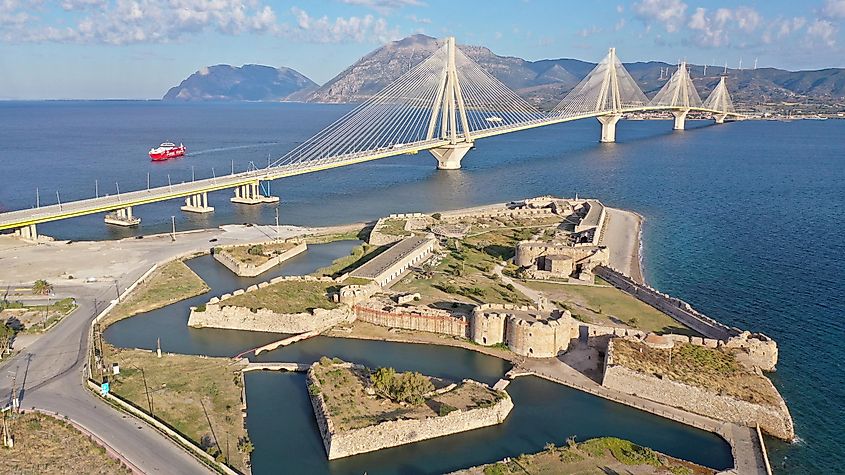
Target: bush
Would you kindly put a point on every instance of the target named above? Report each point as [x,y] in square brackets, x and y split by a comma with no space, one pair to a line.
[437,216]
[325,361]
[408,387]
[446,409]
[200,308]
[313,389]
[255,250]
[496,469]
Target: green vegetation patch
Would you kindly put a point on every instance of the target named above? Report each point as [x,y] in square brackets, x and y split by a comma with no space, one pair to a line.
[198,396]
[168,284]
[287,297]
[258,254]
[46,444]
[357,397]
[358,257]
[34,318]
[394,227]
[715,369]
[602,455]
[466,274]
[610,306]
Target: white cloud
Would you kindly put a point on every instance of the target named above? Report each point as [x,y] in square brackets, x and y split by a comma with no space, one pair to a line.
[120,22]
[385,6]
[714,29]
[669,13]
[416,19]
[325,30]
[834,9]
[821,32]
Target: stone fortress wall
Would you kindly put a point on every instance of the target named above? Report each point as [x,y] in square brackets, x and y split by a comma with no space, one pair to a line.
[246,269]
[773,419]
[761,351]
[413,318]
[339,444]
[219,315]
[527,331]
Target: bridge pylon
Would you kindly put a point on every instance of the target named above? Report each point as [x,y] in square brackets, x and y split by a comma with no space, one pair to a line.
[606,92]
[678,95]
[720,102]
[448,108]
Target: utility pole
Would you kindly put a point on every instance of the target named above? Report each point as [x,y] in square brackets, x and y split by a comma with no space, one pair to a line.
[213,176]
[169,184]
[117,290]
[37,198]
[173,228]
[148,181]
[59,200]
[118,191]
[193,175]
[277,221]
[146,390]
[96,188]
[233,167]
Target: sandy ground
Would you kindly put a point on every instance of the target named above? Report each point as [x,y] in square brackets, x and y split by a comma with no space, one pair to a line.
[55,261]
[622,237]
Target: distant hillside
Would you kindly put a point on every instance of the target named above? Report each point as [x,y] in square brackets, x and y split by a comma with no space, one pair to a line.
[250,82]
[546,82]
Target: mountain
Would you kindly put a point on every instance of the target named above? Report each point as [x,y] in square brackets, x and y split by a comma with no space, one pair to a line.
[250,82]
[545,82]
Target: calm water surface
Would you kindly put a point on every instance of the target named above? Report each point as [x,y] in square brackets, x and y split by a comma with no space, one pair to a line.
[743,220]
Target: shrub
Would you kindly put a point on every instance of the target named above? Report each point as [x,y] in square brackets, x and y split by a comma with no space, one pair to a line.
[446,409]
[437,216]
[408,387]
[496,469]
[255,250]
[325,361]
[200,308]
[313,389]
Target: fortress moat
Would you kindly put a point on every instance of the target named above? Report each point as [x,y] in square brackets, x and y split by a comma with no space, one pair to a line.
[535,282]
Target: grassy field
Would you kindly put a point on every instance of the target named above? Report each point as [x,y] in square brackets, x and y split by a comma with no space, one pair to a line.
[35,318]
[609,306]
[287,297]
[45,444]
[358,257]
[394,227]
[596,456]
[261,252]
[358,234]
[711,368]
[179,387]
[168,284]
[465,274]
[350,407]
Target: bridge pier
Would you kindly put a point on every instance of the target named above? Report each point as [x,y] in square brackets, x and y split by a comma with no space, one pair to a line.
[449,156]
[122,217]
[720,118]
[28,233]
[250,194]
[197,203]
[608,127]
[680,118]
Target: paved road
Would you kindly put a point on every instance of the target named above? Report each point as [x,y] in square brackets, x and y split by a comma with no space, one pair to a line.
[48,373]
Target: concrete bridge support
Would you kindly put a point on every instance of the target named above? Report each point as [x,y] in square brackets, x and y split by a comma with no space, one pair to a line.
[608,127]
[250,194]
[680,119]
[720,118]
[449,156]
[28,233]
[197,204]
[122,217]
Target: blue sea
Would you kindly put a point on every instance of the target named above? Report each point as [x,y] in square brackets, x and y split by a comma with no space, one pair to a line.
[743,220]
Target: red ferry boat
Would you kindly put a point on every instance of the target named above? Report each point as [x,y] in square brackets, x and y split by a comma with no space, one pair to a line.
[166,151]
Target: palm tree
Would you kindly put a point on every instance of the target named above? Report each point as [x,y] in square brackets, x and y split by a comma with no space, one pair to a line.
[42,287]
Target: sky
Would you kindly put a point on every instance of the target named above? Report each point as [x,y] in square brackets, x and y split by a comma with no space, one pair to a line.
[137,49]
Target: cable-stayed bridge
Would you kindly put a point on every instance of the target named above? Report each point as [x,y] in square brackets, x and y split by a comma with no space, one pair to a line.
[443,105]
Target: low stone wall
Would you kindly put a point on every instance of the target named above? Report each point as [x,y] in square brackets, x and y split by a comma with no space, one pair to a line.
[761,351]
[246,269]
[400,432]
[775,421]
[263,320]
[219,315]
[411,319]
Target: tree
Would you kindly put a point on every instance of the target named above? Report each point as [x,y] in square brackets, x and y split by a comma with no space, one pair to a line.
[255,250]
[42,287]
[408,387]
[6,335]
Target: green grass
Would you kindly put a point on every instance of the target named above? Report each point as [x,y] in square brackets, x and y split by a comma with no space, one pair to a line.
[624,451]
[609,305]
[358,257]
[394,227]
[169,284]
[179,387]
[287,297]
